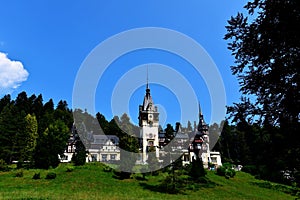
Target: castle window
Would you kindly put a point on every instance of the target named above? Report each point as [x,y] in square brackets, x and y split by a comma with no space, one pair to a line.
[94,157]
[186,158]
[214,160]
[104,157]
[150,142]
[113,156]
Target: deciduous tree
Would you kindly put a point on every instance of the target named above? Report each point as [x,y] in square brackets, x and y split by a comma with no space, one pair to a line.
[266,47]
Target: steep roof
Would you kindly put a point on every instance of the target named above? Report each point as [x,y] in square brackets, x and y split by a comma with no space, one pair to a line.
[148,104]
[102,139]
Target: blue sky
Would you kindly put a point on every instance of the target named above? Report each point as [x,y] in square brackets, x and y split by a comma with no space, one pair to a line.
[51,39]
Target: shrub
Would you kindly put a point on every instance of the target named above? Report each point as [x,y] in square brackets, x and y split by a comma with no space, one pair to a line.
[221,171]
[297,178]
[227,165]
[20,164]
[70,169]
[226,172]
[230,172]
[51,175]
[19,173]
[183,180]
[140,176]
[36,176]
[170,186]
[3,165]
[107,168]
[196,169]
[203,180]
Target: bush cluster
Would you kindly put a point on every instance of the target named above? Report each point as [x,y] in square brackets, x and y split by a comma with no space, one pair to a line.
[170,185]
[19,173]
[107,168]
[3,165]
[70,169]
[51,175]
[36,176]
[226,171]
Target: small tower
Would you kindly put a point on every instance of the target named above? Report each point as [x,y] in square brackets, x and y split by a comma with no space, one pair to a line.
[204,134]
[200,144]
[202,126]
[148,122]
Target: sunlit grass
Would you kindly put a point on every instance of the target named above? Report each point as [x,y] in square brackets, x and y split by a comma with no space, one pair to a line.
[91,182]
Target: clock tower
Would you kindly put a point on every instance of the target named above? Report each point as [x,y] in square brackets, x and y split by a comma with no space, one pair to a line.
[148,122]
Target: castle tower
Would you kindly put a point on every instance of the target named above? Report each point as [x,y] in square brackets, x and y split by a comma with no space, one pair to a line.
[204,135]
[148,122]
[202,126]
[200,144]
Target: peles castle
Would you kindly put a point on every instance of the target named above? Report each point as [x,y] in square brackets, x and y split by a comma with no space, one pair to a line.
[188,144]
[104,148]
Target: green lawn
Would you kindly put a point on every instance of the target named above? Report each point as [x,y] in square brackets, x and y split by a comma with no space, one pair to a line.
[91,182]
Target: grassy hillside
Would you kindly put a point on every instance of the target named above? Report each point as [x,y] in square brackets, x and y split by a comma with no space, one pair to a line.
[91,182]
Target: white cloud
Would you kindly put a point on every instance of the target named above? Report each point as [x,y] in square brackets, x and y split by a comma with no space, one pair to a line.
[12,73]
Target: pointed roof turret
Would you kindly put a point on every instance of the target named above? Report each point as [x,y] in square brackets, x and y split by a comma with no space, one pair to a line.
[202,126]
[148,102]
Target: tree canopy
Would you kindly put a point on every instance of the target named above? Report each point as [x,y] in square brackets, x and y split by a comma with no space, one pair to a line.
[266,48]
[33,131]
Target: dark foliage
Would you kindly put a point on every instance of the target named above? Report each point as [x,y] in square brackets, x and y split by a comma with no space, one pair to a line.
[79,157]
[3,165]
[266,51]
[51,175]
[37,176]
[196,170]
[128,144]
[51,143]
[32,132]
[226,171]
[251,169]
[19,173]
[70,169]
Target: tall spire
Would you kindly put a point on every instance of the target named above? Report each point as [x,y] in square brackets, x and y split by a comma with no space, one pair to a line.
[199,107]
[147,79]
[147,87]
[202,126]
[147,104]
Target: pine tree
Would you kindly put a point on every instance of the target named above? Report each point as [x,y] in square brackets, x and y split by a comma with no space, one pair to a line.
[197,170]
[79,157]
